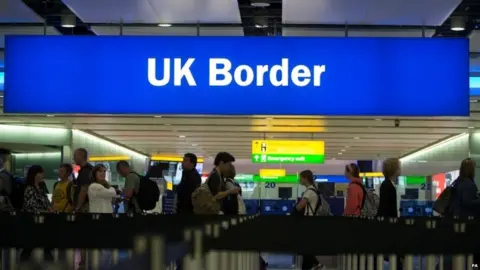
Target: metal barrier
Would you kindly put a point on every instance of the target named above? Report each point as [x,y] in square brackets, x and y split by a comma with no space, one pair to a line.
[222,242]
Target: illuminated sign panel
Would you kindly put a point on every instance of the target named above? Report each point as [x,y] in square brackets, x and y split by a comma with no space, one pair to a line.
[137,74]
[296,152]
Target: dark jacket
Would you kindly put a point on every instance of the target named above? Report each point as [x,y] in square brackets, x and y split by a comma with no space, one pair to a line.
[388,200]
[191,180]
[465,201]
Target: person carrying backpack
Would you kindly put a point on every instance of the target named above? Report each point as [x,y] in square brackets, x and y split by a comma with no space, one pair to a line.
[208,199]
[355,191]
[141,193]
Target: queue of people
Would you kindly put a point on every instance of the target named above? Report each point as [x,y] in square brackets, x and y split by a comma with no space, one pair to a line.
[220,194]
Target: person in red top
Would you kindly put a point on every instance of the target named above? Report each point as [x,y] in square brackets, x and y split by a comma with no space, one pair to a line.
[355,191]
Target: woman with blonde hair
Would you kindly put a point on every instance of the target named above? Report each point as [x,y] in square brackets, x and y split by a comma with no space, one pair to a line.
[388,193]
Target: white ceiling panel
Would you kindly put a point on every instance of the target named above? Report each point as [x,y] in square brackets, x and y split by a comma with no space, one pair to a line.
[15,11]
[345,138]
[371,12]
[168,31]
[156,11]
[24,30]
[319,32]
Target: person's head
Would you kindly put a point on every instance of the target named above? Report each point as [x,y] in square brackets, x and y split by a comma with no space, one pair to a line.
[306,178]
[467,169]
[123,168]
[223,162]
[352,171]
[189,161]
[391,168]
[80,156]
[65,171]
[99,173]
[231,172]
[34,175]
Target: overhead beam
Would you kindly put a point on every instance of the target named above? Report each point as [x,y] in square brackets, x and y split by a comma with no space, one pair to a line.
[52,11]
[470,11]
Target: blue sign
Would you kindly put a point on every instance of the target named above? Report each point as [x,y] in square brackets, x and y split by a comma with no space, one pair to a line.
[331,178]
[237,75]
[2,80]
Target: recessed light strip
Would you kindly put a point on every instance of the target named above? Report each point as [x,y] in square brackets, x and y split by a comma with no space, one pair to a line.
[420,152]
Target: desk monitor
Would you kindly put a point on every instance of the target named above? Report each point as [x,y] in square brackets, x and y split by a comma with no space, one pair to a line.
[285,193]
[327,189]
[411,194]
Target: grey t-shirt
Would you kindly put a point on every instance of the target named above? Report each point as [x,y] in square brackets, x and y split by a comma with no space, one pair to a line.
[132,181]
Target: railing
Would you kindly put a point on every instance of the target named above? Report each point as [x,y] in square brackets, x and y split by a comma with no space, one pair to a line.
[224,243]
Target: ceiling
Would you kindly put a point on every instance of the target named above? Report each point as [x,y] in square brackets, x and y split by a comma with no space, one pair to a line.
[347,138]
[28,148]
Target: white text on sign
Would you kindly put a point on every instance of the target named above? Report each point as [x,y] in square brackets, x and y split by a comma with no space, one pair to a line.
[223,73]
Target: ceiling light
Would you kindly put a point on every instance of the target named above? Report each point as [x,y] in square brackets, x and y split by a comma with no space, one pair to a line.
[471,127]
[260,3]
[378,119]
[457,24]
[340,153]
[50,115]
[157,116]
[356,138]
[167,124]
[194,144]
[164,25]
[347,146]
[182,136]
[333,158]
[343,150]
[473,100]
[260,22]
[69,21]
[269,118]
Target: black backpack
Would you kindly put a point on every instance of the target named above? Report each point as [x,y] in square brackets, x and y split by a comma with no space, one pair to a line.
[18,190]
[148,193]
[443,205]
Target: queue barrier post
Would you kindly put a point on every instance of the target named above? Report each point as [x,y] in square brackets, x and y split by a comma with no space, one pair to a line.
[187,237]
[197,262]
[212,257]
[95,257]
[157,253]
[362,261]
[408,262]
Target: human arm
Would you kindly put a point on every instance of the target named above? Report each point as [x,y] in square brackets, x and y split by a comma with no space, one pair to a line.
[98,190]
[83,181]
[130,186]
[354,200]
[222,194]
[303,203]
